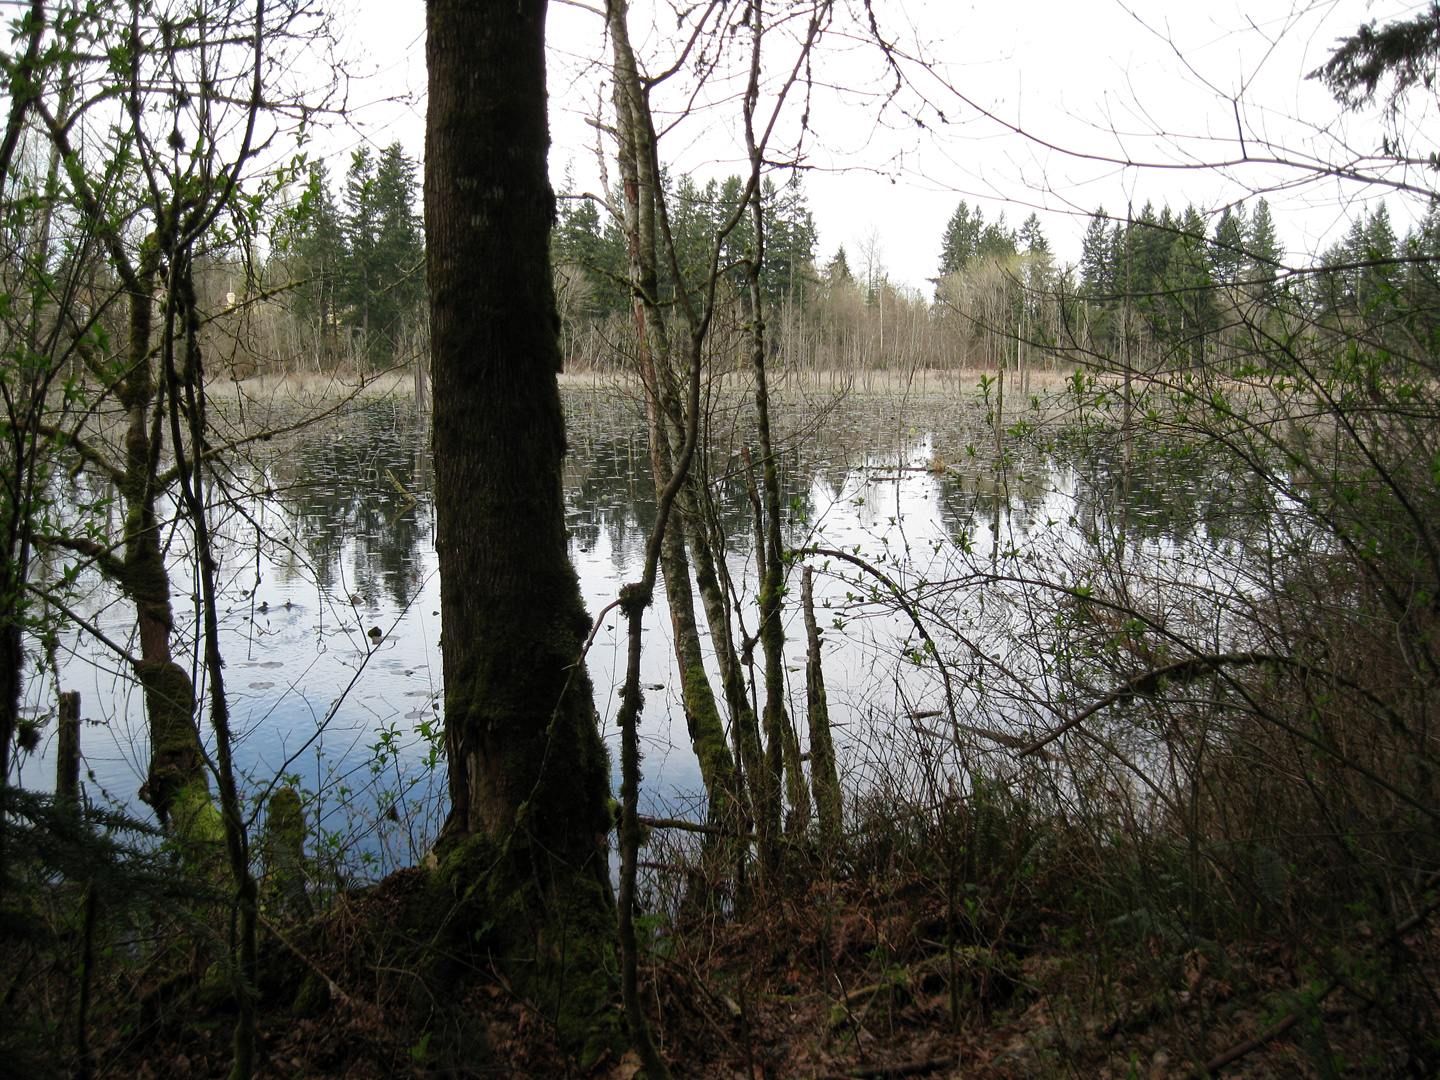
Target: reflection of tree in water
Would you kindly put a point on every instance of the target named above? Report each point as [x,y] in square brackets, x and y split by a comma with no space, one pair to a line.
[610,490]
[1174,493]
[606,491]
[337,489]
[730,492]
[971,497]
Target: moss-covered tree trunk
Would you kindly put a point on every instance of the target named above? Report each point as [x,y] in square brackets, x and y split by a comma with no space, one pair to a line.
[524,848]
[782,749]
[702,712]
[698,514]
[782,753]
[136,563]
[824,778]
[177,781]
[665,413]
[744,724]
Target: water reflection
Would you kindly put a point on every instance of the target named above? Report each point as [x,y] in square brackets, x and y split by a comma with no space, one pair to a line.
[356,500]
[332,598]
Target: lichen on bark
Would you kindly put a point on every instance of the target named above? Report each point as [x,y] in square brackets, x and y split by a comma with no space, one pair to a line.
[282,850]
[177,761]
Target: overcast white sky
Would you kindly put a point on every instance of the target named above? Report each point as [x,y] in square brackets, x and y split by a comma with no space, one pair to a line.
[1088,85]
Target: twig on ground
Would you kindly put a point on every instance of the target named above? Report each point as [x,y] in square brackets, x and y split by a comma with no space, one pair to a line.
[885,1072]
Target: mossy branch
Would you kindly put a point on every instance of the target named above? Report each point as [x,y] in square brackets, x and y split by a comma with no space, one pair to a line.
[103,557]
[89,357]
[84,450]
[84,624]
[692,826]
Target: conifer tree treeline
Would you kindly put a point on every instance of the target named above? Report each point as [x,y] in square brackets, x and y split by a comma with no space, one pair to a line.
[1181,280]
[358,262]
[590,254]
[1177,279]
[1173,279]
[1142,255]
[969,239]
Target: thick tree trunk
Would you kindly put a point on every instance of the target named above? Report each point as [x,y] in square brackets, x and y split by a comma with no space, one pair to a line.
[524,850]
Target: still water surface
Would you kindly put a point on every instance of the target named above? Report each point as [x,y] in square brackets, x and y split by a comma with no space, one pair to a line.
[331,603]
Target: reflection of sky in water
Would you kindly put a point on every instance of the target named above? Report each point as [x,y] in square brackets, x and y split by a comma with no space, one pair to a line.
[336,550]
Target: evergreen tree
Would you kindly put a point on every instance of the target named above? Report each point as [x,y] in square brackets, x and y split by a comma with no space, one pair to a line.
[1377,249]
[1262,244]
[579,240]
[789,259]
[1032,237]
[1151,238]
[1189,307]
[398,250]
[1097,268]
[1337,285]
[1121,270]
[996,241]
[692,227]
[384,277]
[962,238]
[358,230]
[787,263]
[695,214]
[1422,247]
[837,270]
[740,244]
[1404,52]
[1228,255]
[1038,265]
[309,243]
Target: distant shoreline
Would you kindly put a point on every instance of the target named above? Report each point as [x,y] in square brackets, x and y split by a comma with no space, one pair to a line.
[937,380]
[317,387]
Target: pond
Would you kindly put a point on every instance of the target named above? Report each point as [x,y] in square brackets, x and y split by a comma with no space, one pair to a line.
[331,594]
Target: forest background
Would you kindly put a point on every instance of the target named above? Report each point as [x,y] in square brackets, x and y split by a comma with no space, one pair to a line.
[1214,780]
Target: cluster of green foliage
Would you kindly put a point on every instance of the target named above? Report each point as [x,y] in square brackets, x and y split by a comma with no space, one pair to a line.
[583,240]
[1169,270]
[969,238]
[359,262]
